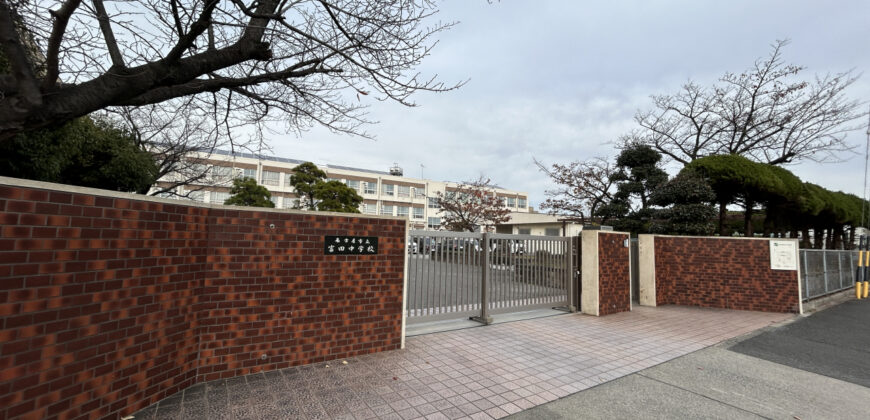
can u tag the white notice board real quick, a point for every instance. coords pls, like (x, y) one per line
(783, 255)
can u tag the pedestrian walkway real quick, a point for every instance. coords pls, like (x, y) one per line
(477, 373)
(813, 368)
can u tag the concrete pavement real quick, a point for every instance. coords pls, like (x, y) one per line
(478, 373)
(814, 367)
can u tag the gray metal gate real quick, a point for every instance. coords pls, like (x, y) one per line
(825, 271)
(459, 274)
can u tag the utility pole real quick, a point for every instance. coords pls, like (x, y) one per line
(864, 191)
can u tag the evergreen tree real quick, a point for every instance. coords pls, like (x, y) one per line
(246, 192)
(315, 193)
(83, 152)
(638, 174)
(304, 179)
(687, 200)
(335, 196)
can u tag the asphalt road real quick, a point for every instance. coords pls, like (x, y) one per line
(834, 342)
(814, 367)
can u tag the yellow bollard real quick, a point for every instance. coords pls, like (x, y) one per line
(858, 282)
(866, 289)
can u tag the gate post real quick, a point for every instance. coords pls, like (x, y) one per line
(570, 279)
(484, 317)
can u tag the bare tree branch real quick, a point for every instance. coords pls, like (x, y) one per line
(765, 113)
(472, 205)
(583, 187)
(210, 49)
(108, 35)
(61, 18)
(211, 85)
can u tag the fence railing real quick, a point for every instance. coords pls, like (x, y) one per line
(825, 271)
(453, 274)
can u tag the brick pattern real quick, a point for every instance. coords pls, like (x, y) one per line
(111, 304)
(289, 302)
(722, 273)
(475, 373)
(614, 277)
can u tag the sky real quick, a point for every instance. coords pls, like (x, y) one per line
(561, 80)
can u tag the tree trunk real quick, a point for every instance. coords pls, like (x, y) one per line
(851, 244)
(747, 219)
(769, 225)
(837, 237)
(805, 239)
(723, 211)
(819, 238)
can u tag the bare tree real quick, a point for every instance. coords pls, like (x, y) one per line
(583, 187)
(767, 114)
(471, 205)
(246, 61)
(181, 139)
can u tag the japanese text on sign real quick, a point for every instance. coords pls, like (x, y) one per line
(783, 255)
(350, 245)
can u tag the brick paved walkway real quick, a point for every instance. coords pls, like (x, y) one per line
(479, 373)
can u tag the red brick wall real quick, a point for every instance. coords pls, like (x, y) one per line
(614, 277)
(288, 301)
(722, 273)
(111, 304)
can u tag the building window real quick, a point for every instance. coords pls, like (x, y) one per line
(198, 195)
(551, 231)
(387, 189)
(270, 178)
(386, 210)
(521, 203)
(353, 184)
(173, 193)
(419, 192)
(370, 187)
(249, 173)
(433, 203)
(512, 201)
(290, 203)
(221, 173)
(418, 212)
(274, 201)
(404, 191)
(370, 208)
(218, 197)
(524, 231)
(402, 211)
(434, 222)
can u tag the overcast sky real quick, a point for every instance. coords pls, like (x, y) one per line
(560, 80)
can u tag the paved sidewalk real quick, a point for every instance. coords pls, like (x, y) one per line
(480, 373)
(813, 368)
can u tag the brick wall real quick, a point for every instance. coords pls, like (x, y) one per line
(614, 277)
(289, 302)
(722, 273)
(110, 303)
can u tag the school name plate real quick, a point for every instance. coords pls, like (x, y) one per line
(783, 255)
(350, 245)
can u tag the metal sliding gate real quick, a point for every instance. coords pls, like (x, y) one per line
(453, 275)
